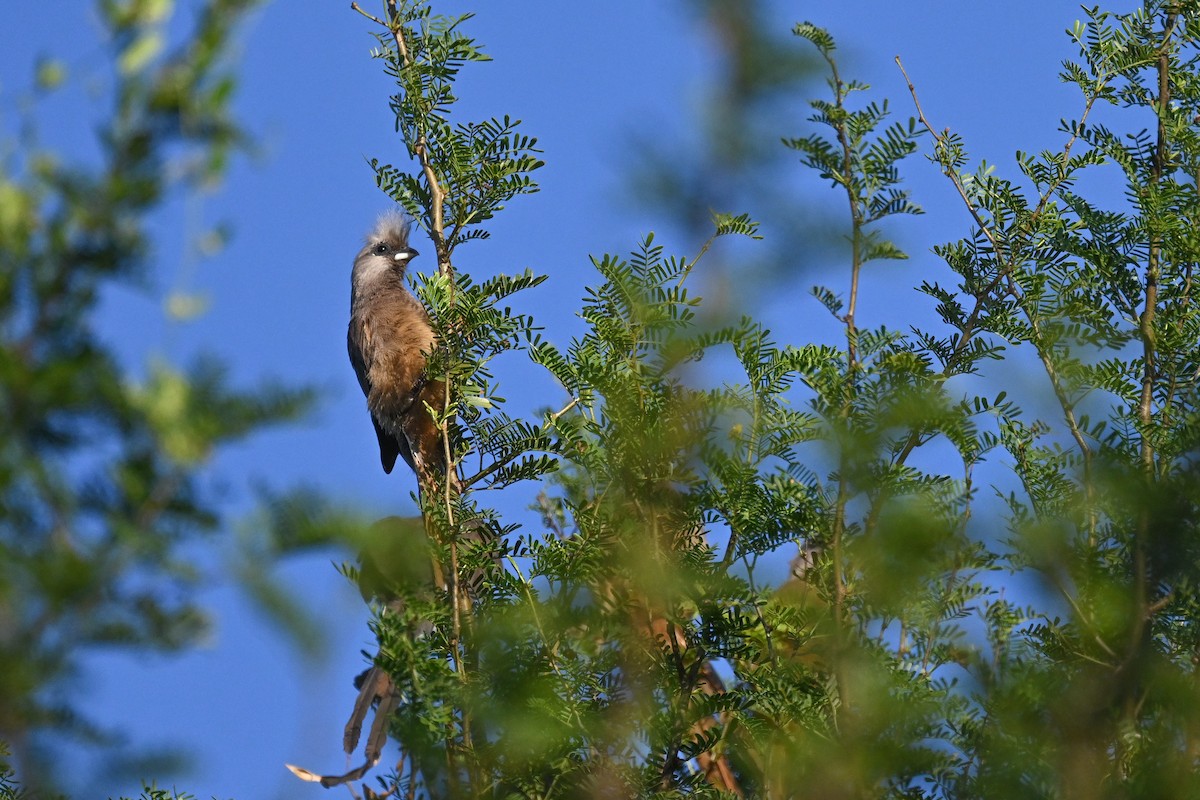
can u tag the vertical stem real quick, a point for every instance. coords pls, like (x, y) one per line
(449, 480)
(1146, 329)
(856, 218)
(1153, 268)
(850, 392)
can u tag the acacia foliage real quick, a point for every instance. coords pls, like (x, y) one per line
(894, 661)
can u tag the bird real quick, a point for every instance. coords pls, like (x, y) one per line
(389, 341)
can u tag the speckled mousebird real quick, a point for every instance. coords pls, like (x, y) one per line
(389, 340)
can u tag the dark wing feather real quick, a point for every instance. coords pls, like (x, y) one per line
(354, 348)
(389, 446)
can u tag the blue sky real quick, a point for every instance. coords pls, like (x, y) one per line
(585, 78)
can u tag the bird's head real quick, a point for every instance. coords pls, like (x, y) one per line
(386, 251)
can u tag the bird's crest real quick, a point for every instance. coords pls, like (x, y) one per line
(392, 227)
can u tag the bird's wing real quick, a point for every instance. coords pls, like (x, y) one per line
(354, 346)
(390, 446)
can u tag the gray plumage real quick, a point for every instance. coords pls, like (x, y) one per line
(388, 339)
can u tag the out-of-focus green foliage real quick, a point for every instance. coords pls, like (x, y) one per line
(102, 471)
(154, 793)
(628, 646)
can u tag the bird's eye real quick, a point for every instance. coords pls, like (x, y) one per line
(381, 249)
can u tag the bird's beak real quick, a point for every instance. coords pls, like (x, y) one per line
(406, 255)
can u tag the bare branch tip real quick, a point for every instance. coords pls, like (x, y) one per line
(356, 7)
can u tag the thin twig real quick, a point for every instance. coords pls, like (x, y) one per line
(371, 17)
(1158, 168)
(1007, 264)
(437, 194)
(939, 138)
(554, 417)
(498, 465)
